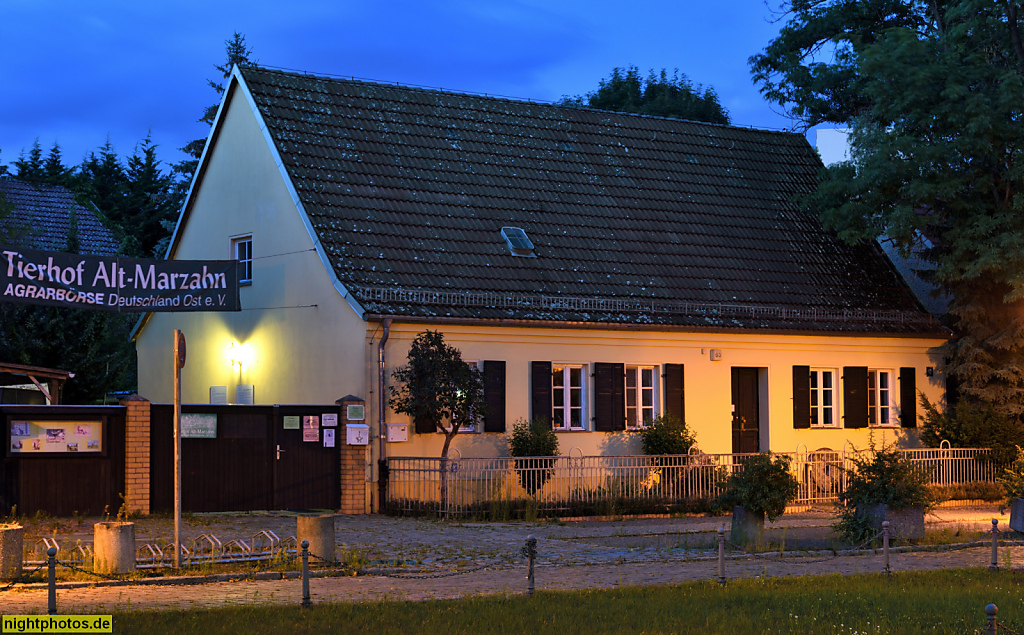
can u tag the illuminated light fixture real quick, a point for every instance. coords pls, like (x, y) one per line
(241, 354)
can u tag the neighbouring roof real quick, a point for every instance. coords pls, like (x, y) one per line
(633, 219)
(41, 214)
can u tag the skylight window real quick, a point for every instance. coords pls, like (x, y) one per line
(517, 242)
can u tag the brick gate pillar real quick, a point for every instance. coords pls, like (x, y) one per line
(136, 453)
(354, 462)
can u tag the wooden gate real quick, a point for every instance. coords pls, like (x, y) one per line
(254, 462)
(62, 459)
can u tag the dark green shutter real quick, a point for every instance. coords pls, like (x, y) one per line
(540, 390)
(801, 396)
(609, 397)
(675, 394)
(855, 396)
(423, 426)
(908, 397)
(494, 395)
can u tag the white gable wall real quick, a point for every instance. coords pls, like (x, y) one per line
(296, 324)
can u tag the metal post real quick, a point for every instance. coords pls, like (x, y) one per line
(721, 556)
(51, 580)
(305, 574)
(990, 619)
(995, 547)
(531, 553)
(885, 545)
(177, 448)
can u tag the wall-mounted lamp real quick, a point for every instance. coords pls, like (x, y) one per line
(241, 354)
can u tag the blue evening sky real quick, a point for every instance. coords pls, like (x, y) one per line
(79, 72)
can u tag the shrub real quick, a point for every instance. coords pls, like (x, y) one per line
(887, 478)
(765, 484)
(1012, 480)
(533, 439)
(666, 434)
(971, 425)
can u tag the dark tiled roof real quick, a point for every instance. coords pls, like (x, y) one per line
(40, 218)
(634, 219)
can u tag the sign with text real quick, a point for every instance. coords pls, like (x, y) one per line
(114, 283)
(198, 426)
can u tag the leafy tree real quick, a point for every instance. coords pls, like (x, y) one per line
(659, 95)
(972, 425)
(438, 388)
(934, 93)
(237, 53)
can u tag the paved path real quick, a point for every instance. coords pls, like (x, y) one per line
(587, 554)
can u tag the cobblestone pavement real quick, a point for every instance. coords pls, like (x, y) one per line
(572, 555)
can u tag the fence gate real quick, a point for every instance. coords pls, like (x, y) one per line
(253, 461)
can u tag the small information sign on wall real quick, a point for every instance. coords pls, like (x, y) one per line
(245, 394)
(328, 438)
(355, 413)
(55, 437)
(330, 420)
(357, 434)
(198, 426)
(218, 395)
(292, 422)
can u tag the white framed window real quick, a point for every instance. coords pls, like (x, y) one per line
(568, 397)
(476, 426)
(641, 395)
(880, 398)
(241, 250)
(824, 413)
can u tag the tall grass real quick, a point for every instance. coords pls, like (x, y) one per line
(931, 602)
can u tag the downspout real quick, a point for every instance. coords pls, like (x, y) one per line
(382, 427)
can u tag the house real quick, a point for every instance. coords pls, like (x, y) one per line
(40, 217)
(601, 268)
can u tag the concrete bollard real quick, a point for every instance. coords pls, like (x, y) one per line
(995, 545)
(318, 531)
(113, 547)
(12, 542)
(885, 545)
(721, 556)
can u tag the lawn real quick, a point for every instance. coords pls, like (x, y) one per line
(932, 602)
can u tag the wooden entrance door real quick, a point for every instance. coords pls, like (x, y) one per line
(307, 475)
(745, 415)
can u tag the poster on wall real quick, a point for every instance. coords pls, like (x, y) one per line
(311, 428)
(329, 420)
(55, 437)
(291, 422)
(328, 438)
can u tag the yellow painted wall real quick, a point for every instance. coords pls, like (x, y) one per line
(708, 384)
(306, 341)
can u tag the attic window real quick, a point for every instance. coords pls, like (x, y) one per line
(517, 242)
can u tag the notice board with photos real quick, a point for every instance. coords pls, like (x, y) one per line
(27, 436)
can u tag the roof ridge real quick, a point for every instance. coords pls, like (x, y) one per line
(504, 98)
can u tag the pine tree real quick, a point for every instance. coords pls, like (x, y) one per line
(31, 168)
(659, 95)
(237, 54)
(54, 170)
(149, 202)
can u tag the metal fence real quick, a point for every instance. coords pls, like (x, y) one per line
(582, 483)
